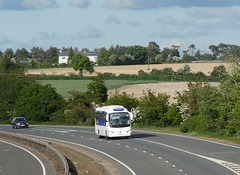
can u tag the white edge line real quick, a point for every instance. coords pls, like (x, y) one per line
(219, 162)
(43, 167)
(191, 137)
(101, 152)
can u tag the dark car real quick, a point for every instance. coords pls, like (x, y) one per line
(19, 122)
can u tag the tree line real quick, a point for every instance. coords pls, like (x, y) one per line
(125, 55)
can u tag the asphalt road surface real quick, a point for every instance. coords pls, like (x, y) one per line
(148, 152)
(17, 160)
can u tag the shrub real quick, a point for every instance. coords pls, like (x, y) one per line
(124, 99)
(97, 90)
(37, 103)
(219, 71)
(79, 108)
(153, 108)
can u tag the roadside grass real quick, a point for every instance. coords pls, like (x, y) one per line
(64, 86)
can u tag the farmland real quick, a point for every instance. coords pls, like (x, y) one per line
(131, 87)
(206, 68)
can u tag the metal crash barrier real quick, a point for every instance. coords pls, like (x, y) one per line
(60, 162)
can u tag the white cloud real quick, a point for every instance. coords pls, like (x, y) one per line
(3, 38)
(154, 4)
(27, 4)
(217, 12)
(169, 20)
(80, 3)
(38, 4)
(134, 23)
(113, 20)
(90, 32)
(186, 33)
(119, 4)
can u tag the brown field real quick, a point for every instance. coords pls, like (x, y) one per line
(169, 88)
(206, 68)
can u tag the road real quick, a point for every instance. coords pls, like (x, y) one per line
(17, 160)
(149, 152)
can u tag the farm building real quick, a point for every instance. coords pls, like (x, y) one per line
(63, 56)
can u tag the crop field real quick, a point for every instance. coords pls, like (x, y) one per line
(206, 68)
(130, 87)
(64, 86)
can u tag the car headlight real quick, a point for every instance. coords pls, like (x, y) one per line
(18, 123)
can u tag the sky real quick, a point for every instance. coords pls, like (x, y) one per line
(101, 23)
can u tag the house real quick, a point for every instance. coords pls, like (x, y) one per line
(63, 56)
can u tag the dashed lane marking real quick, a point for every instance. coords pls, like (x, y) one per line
(231, 166)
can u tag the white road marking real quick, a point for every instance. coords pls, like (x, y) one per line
(90, 148)
(42, 165)
(226, 164)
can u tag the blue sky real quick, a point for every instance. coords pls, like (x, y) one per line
(102, 23)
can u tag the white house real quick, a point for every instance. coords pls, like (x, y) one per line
(63, 57)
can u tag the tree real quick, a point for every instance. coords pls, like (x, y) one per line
(192, 47)
(97, 90)
(81, 63)
(153, 50)
(79, 108)
(6, 65)
(120, 50)
(165, 54)
(22, 55)
(10, 86)
(138, 53)
(208, 56)
(38, 54)
(70, 54)
(9, 53)
(215, 50)
(39, 103)
(104, 57)
(187, 59)
(198, 55)
(52, 55)
(219, 71)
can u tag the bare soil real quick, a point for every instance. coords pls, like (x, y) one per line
(170, 88)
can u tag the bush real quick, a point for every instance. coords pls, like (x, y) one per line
(79, 108)
(128, 101)
(37, 103)
(152, 108)
(97, 90)
(173, 116)
(219, 71)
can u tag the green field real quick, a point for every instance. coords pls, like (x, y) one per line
(64, 86)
